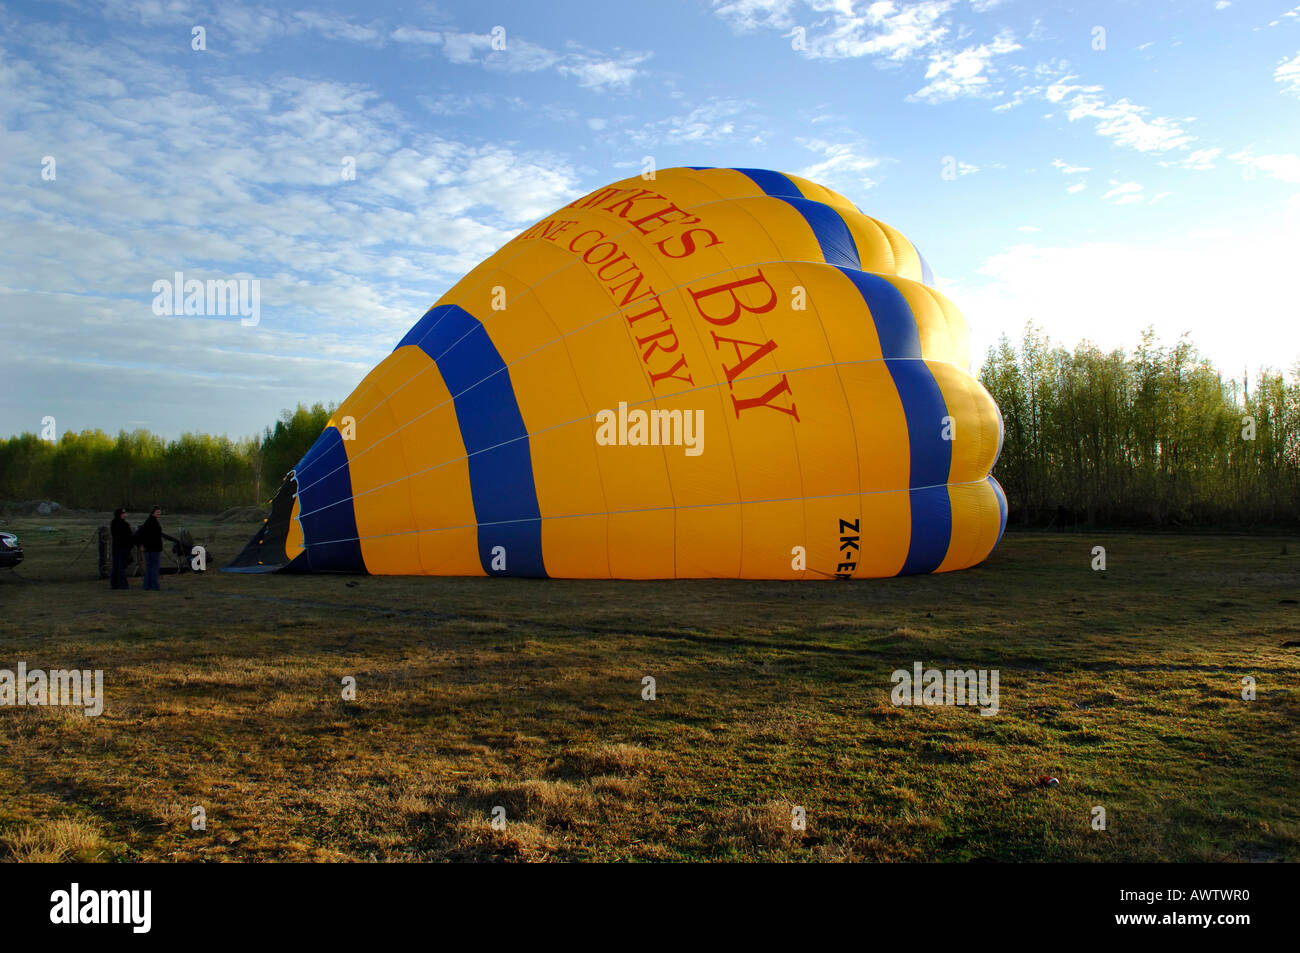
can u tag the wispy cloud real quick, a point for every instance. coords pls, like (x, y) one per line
(511, 54)
(1123, 122)
(841, 164)
(1126, 123)
(598, 72)
(713, 122)
(161, 170)
(1123, 193)
(749, 15)
(890, 33)
(247, 28)
(1070, 169)
(890, 30)
(1284, 167)
(1288, 74)
(964, 73)
(1066, 168)
(1291, 14)
(839, 29)
(1198, 160)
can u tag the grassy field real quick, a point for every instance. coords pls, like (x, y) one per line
(224, 692)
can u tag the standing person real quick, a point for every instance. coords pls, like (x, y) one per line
(122, 536)
(150, 536)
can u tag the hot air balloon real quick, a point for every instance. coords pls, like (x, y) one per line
(713, 373)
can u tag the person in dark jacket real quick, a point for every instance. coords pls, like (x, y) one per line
(121, 532)
(150, 537)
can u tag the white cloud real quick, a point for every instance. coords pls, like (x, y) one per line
(717, 121)
(592, 69)
(1069, 169)
(603, 73)
(840, 29)
(842, 166)
(1126, 123)
(241, 27)
(886, 29)
(1123, 193)
(1289, 15)
(1109, 292)
(460, 103)
(749, 15)
(965, 73)
(340, 28)
(161, 169)
(1284, 167)
(1288, 74)
(410, 34)
(519, 56)
(464, 47)
(1198, 160)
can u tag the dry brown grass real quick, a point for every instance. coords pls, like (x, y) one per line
(52, 841)
(224, 692)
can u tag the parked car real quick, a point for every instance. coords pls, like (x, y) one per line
(11, 554)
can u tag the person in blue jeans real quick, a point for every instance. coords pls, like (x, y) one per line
(150, 536)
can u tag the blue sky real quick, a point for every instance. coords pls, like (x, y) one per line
(1111, 166)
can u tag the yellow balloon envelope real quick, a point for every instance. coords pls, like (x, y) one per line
(714, 373)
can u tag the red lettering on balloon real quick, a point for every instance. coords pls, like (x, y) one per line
(760, 351)
(766, 400)
(737, 305)
(688, 243)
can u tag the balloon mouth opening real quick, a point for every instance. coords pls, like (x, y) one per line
(267, 550)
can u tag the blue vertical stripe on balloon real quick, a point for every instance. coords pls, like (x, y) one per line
(895, 325)
(329, 523)
(832, 233)
(773, 183)
(924, 409)
(1002, 506)
(931, 460)
(500, 463)
(931, 530)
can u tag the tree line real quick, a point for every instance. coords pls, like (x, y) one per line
(195, 473)
(1156, 437)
